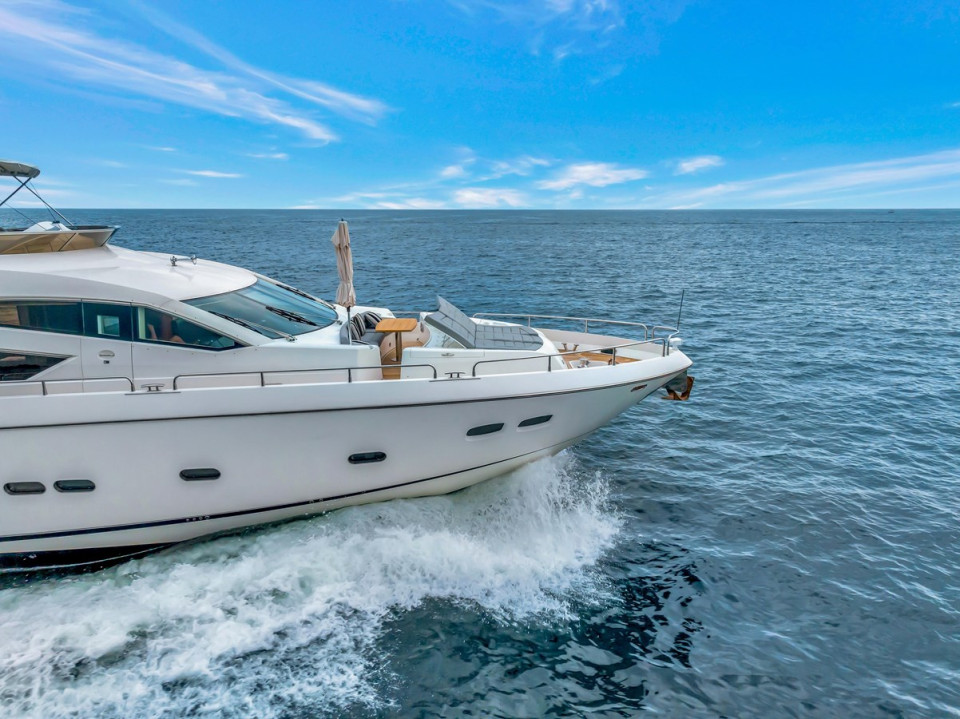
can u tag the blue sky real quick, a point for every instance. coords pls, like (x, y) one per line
(484, 104)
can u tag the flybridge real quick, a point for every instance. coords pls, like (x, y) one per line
(55, 235)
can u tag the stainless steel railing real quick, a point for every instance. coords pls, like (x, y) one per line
(267, 373)
(664, 343)
(44, 390)
(649, 333)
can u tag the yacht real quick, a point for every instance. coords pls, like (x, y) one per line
(150, 399)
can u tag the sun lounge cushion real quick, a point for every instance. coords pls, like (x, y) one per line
(451, 321)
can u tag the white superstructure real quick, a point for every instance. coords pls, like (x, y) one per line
(147, 399)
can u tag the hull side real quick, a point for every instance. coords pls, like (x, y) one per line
(275, 466)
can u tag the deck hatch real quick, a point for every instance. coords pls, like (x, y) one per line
(534, 421)
(199, 474)
(366, 457)
(24, 488)
(74, 485)
(484, 429)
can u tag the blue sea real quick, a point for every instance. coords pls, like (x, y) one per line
(785, 544)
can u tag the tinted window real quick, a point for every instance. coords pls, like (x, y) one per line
(156, 326)
(269, 309)
(107, 321)
(49, 316)
(18, 366)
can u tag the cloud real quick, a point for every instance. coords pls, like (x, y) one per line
(161, 149)
(212, 173)
(269, 155)
(595, 174)
(522, 166)
(695, 164)
(561, 28)
(452, 171)
(414, 203)
(339, 101)
(823, 184)
(488, 197)
(51, 37)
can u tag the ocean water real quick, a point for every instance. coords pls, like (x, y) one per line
(785, 544)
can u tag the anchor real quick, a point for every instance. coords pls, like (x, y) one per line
(679, 387)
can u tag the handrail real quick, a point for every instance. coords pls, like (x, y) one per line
(43, 382)
(663, 341)
(265, 373)
(647, 332)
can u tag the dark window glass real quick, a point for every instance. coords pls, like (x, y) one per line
(74, 485)
(366, 457)
(269, 309)
(164, 328)
(107, 321)
(533, 421)
(24, 488)
(485, 429)
(202, 473)
(49, 316)
(18, 366)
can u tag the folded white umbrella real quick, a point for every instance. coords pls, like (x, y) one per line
(341, 242)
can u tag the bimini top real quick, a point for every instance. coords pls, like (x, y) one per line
(58, 235)
(8, 168)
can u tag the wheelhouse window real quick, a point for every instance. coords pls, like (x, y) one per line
(163, 328)
(16, 366)
(107, 321)
(272, 310)
(49, 316)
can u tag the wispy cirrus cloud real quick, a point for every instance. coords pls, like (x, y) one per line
(269, 155)
(521, 166)
(344, 103)
(821, 185)
(563, 28)
(594, 174)
(489, 197)
(453, 171)
(55, 39)
(213, 173)
(696, 164)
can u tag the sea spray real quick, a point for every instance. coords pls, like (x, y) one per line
(288, 617)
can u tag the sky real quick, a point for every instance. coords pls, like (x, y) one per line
(488, 104)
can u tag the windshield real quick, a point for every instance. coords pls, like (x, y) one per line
(272, 310)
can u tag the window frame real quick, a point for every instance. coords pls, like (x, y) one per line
(136, 313)
(33, 353)
(87, 315)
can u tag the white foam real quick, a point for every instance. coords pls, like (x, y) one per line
(256, 625)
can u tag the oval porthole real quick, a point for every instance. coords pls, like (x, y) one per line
(74, 485)
(199, 474)
(534, 421)
(484, 429)
(366, 457)
(24, 488)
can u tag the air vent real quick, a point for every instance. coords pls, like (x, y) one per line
(196, 475)
(24, 488)
(484, 429)
(74, 485)
(366, 457)
(534, 421)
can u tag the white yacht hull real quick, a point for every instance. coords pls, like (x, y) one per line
(281, 451)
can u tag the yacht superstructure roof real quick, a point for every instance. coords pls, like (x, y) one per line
(117, 274)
